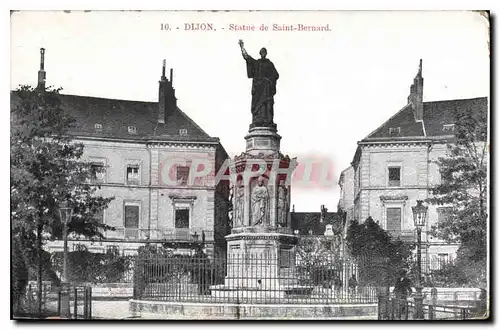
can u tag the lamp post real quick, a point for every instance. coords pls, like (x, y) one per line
(419, 215)
(329, 235)
(66, 213)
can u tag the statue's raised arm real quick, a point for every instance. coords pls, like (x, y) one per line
(264, 76)
(243, 50)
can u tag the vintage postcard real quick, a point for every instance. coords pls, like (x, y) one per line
(250, 165)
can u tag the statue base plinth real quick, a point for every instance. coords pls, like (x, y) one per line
(270, 126)
(262, 140)
(260, 261)
(261, 229)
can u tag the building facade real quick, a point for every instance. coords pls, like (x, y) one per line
(141, 154)
(395, 166)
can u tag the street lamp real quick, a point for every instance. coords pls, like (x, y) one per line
(66, 213)
(419, 215)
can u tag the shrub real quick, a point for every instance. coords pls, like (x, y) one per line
(88, 267)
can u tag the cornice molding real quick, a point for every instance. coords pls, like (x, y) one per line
(151, 143)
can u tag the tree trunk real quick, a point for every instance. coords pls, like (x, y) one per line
(40, 264)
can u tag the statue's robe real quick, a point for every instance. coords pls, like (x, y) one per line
(264, 76)
(239, 206)
(282, 206)
(260, 200)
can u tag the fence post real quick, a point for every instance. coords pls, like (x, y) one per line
(434, 294)
(44, 291)
(483, 302)
(59, 302)
(431, 312)
(75, 306)
(383, 305)
(393, 307)
(90, 302)
(455, 302)
(85, 302)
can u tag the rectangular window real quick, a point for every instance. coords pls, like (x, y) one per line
(285, 258)
(182, 175)
(133, 174)
(131, 216)
(394, 176)
(394, 220)
(97, 173)
(182, 218)
(442, 260)
(113, 249)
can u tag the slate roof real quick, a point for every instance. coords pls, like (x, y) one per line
(116, 116)
(436, 114)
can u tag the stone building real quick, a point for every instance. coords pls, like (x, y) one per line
(141, 153)
(395, 165)
(346, 201)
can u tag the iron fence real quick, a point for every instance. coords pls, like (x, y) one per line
(405, 309)
(170, 235)
(79, 302)
(30, 303)
(243, 278)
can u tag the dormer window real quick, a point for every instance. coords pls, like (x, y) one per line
(448, 127)
(98, 127)
(132, 130)
(183, 132)
(394, 131)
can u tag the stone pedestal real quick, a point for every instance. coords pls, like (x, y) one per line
(262, 140)
(264, 260)
(261, 246)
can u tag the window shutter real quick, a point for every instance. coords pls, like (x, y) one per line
(394, 219)
(182, 218)
(131, 216)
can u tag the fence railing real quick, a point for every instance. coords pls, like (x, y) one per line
(78, 300)
(405, 309)
(174, 235)
(250, 279)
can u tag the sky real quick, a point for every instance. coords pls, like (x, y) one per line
(335, 86)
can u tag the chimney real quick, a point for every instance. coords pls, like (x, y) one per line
(41, 72)
(166, 96)
(324, 210)
(416, 97)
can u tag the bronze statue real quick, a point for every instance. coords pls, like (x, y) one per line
(264, 76)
